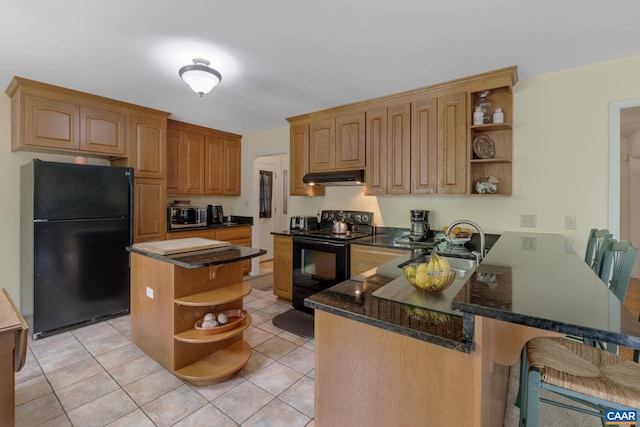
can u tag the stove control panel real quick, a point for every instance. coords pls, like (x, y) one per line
(353, 217)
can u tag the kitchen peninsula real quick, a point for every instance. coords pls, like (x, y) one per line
(171, 292)
(444, 359)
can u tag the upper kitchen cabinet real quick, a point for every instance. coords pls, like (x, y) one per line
(51, 118)
(202, 161)
(421, 141)
(337, 143)
(148, 145)
(299, 161)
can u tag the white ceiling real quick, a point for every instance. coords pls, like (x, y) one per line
(281, 58)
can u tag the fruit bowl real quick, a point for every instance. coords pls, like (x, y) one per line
(428, 284)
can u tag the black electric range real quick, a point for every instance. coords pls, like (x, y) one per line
(322, 258)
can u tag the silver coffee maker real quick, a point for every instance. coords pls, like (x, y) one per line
(419, 225)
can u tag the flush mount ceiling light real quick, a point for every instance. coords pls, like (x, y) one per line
(199, 76)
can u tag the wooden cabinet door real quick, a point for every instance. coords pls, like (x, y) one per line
(424, 146)
(376, 149)
(240, 236)
(350, 141)
(322, 148)
(283, 267)
(174, 163)
(213, 151)
(149, 210)
(149, 139)
(399, 149)
(49, 123)
(193, 160)
(231, 165)
(452, 147)
(298, 158)
(103, 130)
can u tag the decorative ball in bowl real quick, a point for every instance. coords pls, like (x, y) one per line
(432, 277)
(217, 323)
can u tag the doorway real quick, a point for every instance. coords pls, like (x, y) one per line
(270, 205)
(624, 172)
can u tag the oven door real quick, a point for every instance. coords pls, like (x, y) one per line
(317, 265)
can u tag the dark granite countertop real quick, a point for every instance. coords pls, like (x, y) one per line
(530, 279)
(204, 258)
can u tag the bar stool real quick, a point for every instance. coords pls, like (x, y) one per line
(595, 248)
(592, 377)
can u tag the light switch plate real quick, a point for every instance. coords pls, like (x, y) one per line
(528, 221)
(149, 292)
(570, 222)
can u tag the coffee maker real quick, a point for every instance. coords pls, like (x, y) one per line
(419, 225)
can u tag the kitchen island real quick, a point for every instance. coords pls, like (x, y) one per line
(445, 360)
(170, 293)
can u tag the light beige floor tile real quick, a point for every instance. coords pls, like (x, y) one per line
(134, 370)
(301, 396)
(296, 339)
(52, 345)
(312, 423)
(275, 347)
(256, 362)
(122, 323)
(31, 389)
(209, 416)
(277, 413)
(103, 410)
(300, 359)
(243, 401)
(276, 308)
(312, 374)
(136, 418)
(275, 378)
(107, 344)
(214, 391)
(31, 369)
(86, 390)
(152, 386)
(120, 356)
(174, 406)
(59, 421)
(309, 345)
(68, 375)
(255, 336)
(64, 358)
(270, 327)
(256, 304)
(94, 332)
(258, 317)
(38, 411)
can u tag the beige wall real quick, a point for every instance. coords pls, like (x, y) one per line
(560, 154)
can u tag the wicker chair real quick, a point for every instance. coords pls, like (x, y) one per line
(595, 378)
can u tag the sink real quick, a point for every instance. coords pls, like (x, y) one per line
(461, 266)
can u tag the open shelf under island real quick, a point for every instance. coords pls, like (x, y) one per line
(170, 293)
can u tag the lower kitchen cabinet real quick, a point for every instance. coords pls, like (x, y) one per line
(166, 302)
(364, 258)
(149, 210)
(283, 267)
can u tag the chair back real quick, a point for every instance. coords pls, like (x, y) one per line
(618, 262)
(595, 248)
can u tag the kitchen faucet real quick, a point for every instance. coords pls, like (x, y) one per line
(481, 255)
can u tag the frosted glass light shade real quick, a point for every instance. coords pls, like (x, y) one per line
(200, 77)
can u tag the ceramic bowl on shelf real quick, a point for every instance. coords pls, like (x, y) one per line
(235, 318)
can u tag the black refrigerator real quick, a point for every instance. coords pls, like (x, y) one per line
(76, 225)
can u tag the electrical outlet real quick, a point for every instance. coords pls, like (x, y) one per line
(149, 292)
(570, 222)
(528, 221)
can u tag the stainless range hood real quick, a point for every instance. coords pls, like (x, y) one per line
(352, 177)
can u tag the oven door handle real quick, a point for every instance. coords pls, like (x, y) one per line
(318, 242)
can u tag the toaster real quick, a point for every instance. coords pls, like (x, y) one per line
(304, 223)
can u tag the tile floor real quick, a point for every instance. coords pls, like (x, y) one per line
(95, 376)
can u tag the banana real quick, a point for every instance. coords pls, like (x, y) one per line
(430, 267)
(436, 278)
(444, 263)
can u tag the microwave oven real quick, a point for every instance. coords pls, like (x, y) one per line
(186, 217)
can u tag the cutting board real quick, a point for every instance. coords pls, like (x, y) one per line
(176, 246)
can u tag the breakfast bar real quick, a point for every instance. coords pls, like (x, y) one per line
(393, 358)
